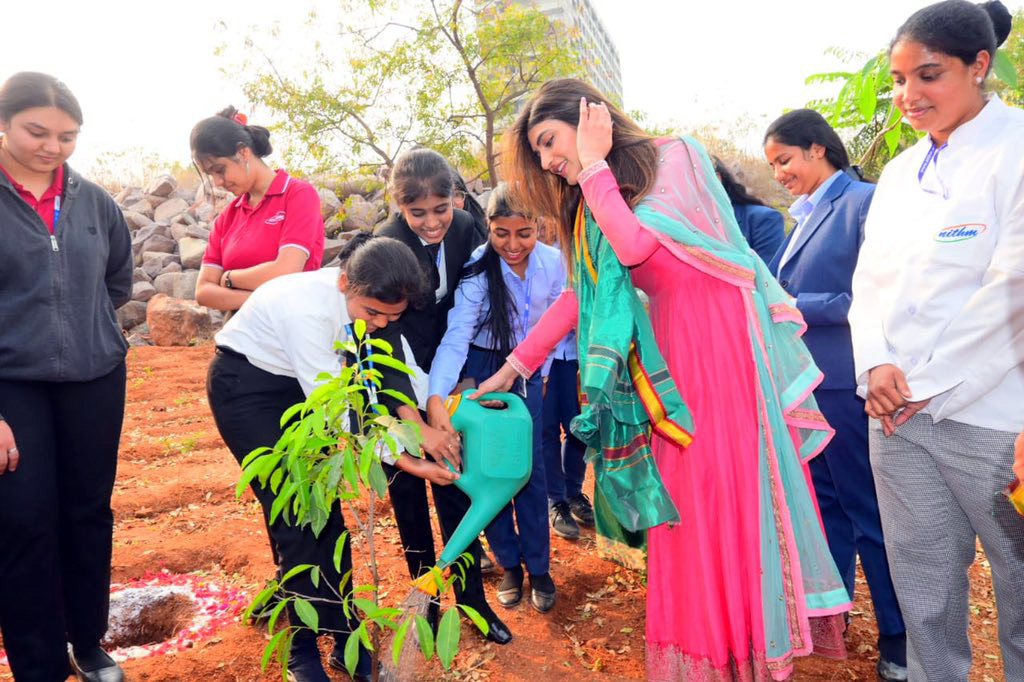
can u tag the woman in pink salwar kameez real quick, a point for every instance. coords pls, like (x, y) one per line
(740, 580)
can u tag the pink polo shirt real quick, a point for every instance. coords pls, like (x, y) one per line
(288, 215)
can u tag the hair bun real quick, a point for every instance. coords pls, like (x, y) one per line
(1002, 20)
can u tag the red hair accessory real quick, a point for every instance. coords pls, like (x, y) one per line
(240, 119)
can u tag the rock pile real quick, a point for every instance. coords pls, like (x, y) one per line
(170, 229)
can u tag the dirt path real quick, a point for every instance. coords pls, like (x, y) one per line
(175, 508)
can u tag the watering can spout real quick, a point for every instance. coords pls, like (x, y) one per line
(497, 459)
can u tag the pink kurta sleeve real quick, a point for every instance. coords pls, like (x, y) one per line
(551, 328)
(629, 240)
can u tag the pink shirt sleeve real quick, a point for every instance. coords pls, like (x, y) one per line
(551, 328)
(629, 240)
(212, 255)
(304, 226)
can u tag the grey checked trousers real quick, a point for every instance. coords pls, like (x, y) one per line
(938, 489)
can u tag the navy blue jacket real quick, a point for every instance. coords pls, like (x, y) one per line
(820, 272)
(762, 226)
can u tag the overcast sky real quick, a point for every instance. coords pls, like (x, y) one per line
(145, 71)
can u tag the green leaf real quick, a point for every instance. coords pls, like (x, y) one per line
(360, 328)
(295, 571)
(271, 647)
(388, 361)
(426, 637)
(399, 640)
(287, 415)
(867, 97)
(1004, 68)
(352, 645)
(398, 395)
(892, 139)
(253, 455)
(477, 619)
(276, 613)
(275, 480)
(307, 614)
(339, 547)
(378, 479)
(448, 632)
(314, 576)
(382, 344)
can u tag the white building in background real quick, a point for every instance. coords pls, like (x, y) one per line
(591, 41)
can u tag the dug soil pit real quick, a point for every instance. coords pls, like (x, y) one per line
(147, 615)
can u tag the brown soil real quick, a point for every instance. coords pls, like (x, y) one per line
(175, 508)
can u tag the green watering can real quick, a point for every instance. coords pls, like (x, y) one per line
(497, 458)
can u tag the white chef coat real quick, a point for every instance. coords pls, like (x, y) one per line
(939, 285)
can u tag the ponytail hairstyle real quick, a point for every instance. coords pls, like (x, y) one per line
(31, 89)
(805, 127)
(633, 157)
(738, 193)
(420, 173)
(382, 268)
(226, 134)
(502, 312)
(959, 29)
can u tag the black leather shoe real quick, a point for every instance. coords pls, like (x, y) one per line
(497, 631)
(510, 591)
(336, 659)
(542, 592)
(94, 665)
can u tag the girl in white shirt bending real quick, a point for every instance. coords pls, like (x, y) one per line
(938, 335)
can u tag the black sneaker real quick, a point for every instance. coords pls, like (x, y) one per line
(581, 509)
(562, 522)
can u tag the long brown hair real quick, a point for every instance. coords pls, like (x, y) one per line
(633, 157)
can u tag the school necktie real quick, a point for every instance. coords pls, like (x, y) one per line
(435, 277)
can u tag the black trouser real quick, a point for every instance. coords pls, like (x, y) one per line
(247, 404)
(412, 516)
(56, 525)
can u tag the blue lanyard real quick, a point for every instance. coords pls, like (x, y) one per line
(931, 157)
(526, 308)
(56, 212)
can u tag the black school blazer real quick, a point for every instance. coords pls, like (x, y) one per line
(424, 327)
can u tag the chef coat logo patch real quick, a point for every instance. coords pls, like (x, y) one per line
(276, 218)
(959, 233)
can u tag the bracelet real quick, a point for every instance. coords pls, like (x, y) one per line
(227, 279)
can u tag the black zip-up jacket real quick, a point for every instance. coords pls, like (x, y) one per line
(58, 296)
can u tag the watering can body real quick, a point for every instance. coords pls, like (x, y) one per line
(497, 459)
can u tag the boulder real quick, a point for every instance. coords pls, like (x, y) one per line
(155, 201)
(141, 206)
(360, 214)
(199, 231)
(177, 284)
(178, 230)
(329, 203)
(159, 243)
(331, 249)
(333, 225)
(188, 195)
(136, 338)
(170, 267)
(206, 212)
(128, 196)
(162, 186)
(131, 314)
(191, 251)
(169, 209)
(142, 291)
(177, 322)
(136, 220)
(139, 275)
(154, 262)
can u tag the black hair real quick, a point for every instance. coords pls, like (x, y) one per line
(420, 173)
(471, 205)
(226, 133)
(30, 89)
(738, 193)
(501, 326)
(805, 127)
(382, 268)
(958, 28)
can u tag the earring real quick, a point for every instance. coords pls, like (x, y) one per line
(246, 165)
(978, 80)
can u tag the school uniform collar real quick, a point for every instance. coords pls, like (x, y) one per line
(277, 187)
(978, 127)
(806, 203)
(532, 265)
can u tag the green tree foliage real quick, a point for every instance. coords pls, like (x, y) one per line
(442, 73)
(864, 108)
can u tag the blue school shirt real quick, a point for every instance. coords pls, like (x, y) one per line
(545, 279)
